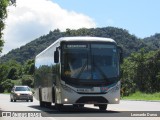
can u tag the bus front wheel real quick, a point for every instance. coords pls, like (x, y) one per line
(78, 105)
(103, 106)
(58, 106)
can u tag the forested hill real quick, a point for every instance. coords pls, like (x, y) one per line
(130, 43)
(153, 41)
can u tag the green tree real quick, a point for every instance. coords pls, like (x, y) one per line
(128, 77)
(9, 70)
(140, 68)
(141, 71)
(14, 70)
(7, 85)
(153, 66)
(27, 80)
(3, 72)
(3, 75)
(29, 67)
(3, 16)
(12, 74)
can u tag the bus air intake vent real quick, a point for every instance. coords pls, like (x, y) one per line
(92, 100)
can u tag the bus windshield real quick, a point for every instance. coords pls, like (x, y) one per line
(92, 62)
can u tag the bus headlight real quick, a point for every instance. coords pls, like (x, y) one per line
(116, 99)
(66, 100)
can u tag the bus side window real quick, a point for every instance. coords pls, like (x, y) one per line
(56, 56)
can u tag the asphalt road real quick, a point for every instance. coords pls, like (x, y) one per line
(27, 110)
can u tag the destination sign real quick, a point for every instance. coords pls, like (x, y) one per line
(76, 46)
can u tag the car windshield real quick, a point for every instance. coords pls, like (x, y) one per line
(90, 62)
(22, 89)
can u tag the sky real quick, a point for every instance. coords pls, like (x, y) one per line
(31, 19)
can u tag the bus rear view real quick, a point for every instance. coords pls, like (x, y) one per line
(86, 71)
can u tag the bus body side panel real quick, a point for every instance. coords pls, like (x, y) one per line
(46, 74)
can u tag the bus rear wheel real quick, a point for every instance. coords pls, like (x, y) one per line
(103, 106)
(45, 104)
(48, 104)
(42, 104)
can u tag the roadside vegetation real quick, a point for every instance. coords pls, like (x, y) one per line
(13, 73)
(143, 96)
(141, 72)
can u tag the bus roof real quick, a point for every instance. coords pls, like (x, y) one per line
(102, 39)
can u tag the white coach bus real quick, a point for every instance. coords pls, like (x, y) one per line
(78, 71)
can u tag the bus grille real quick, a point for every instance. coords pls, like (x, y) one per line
(92, 100)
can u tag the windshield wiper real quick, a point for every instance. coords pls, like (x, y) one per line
(82, 69)
(101, 71)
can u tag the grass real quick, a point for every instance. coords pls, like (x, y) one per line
(142, 96)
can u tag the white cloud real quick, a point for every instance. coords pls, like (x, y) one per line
(32, 18)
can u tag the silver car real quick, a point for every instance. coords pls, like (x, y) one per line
(21, 93)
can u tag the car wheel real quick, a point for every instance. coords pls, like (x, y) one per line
(11, 100)
(27, 100)
(31, 100)
(14, 100)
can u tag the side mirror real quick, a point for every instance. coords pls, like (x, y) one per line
(120, 51)
(56, 56)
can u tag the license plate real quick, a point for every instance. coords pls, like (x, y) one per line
(84, 90)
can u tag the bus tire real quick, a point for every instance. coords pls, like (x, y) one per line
(59, 107)
(78, 105)
(103, 106)
(53, 95)
(42, 104)
(48, 104)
